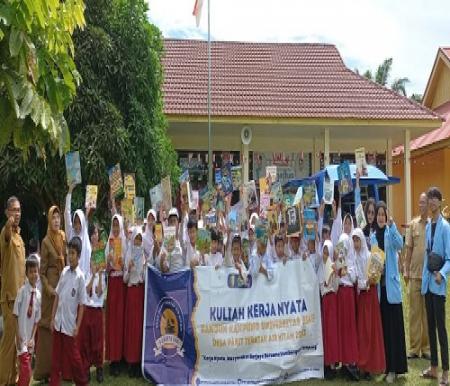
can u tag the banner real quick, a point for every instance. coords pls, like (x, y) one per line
(208, 326)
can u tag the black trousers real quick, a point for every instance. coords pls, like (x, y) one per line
(435, 305)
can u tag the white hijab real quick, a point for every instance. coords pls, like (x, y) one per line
(321, 269)
(147, 237)
(85, 258)
(343, 223)
(361, 258)
(122, 236)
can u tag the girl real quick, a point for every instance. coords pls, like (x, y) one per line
(148, 234)
(328, 289)
(134, 309)
(370, 332)
(389, 240)
(369, 211)
(115, 252)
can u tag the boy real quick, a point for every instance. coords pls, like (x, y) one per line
(280, 254)
(67, 315)
(260, 262)
(27, 312)
(234, 256)
(189, 247)
(215, 258)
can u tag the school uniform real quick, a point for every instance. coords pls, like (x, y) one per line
(214, 259)
(134, 305)
(27, 308)
(71, 291)
(174, 261)
(370, 331)
(328, 291)
(91, 331)
(256, 260)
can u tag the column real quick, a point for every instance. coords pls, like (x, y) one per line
(245, 173)
(390, 198)
(326, 147)
(408, 188)
(315, 160)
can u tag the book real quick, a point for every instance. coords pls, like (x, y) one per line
(115, 180)
(184, 177)
(310, 194)
(251, 196)
(170, 238)
(203, 242)
(129, 185)
(233, 220)
(264, 187)
(328, 270)
(211, 219)
(193, 203)
(156, 197)
(264, 205)
(218, 176)
(375, 264)
(276, 193)
(158, 232)
(91, 196)
(272, 219)
(345, 178)
(73, 168)
(206, 196)
(271, 171)
(115, 246)
(360, 161)
(309, 224)
(227, 183)
(341, 255)
(139, 204)
(166, 188)
(261, 231)
(219, 202)
(293, 221)
(328, 191)
(128, 211)
(137, 254)
(360, 216)
(236, 177)
(288, 199)
(298, 196)
(98, 254)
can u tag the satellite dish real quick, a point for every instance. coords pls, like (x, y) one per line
(246, 135)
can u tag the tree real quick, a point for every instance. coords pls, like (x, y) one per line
(38, 77)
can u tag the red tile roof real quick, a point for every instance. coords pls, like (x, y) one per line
(446, 51)
(275, 80)
(433, 136)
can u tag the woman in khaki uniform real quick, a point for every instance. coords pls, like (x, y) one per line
(53, 260)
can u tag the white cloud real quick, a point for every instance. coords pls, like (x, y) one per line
(365, 32)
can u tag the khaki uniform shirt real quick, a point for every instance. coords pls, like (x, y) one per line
(415, 239)
(12, 265)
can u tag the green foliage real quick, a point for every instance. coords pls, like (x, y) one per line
(38, 77)
(399, 85)
(383, 72)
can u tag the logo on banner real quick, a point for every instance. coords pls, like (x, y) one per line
(169, 328)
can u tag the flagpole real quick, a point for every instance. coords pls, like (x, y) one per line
(210, 158)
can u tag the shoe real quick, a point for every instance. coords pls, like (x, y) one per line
(353, 372)
(426, 356)
(413, 356)
(329, 373)
(390, 378)
(99, 374)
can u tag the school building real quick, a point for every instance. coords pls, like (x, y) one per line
(303, 106)
(430, 153)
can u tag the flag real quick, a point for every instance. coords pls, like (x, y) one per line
(197, 12)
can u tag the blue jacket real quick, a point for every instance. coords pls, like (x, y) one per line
(393, 243)
(441, 246)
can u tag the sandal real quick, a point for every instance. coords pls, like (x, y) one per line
(427, 374)
(443, 382)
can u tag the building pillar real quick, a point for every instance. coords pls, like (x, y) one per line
(245, 163)
(315, 159)
(326, 147)
(408, 187)
(389, 198)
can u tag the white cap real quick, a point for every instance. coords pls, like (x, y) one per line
(173, 212)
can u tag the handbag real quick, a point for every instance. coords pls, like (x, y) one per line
(435, 262)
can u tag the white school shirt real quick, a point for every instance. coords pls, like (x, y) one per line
(25, 323)
(96, 301)
(136, 274)
(350, 278)
(214, 259)
(191, 254)
(71, 290)
(332, 286)
(362, 259)
(256, 260)
(314, 258)
(175, 261)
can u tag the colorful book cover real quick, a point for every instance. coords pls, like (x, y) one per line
(139, 204)
(264, 187)
(227, 183)
(128, 211)
(276, 193)
(211, 219)
(309, 227)
(251, 196)
(375, 264)
(264, 205)
(115, 245)
(206, 197)
(271, 171)
(170, 234)
(194, 201)
(233, 220)
(203, 240)
(220, 203)
(218, 176)
(298, 196)
(288, 199)
(345, 178)
(115, 180)
(272, 219)
(361, 162)
(73, 168)
(129, 185)
(91, 196)
(236, 177)
(328, 270)
(156, 197)
(261, 231)
(98, 254)
(310, 194)
(166, 188)
(341, 255)
(293, 221)
(328, 191)
(158, 232)
(360, 216)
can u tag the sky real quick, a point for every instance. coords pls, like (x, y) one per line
(365, 31)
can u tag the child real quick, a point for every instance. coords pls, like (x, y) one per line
(280, 255)
(234, 256)
(134, 306)
(67, 315)
(328, 289)
(190, 248)
(148, 233)
(370, 332)
(314, 257)
(169, 258)
(294, 247)
(91, 334)
(260, 262)
(347, 226)
(214, 258)
(27, 311)
(115, 252)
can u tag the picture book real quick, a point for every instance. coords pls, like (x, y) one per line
(345, 178)
(360, 216)
(276, 194)
(139, 203)
(288, 199)
(115, 180)
(158, 232)
(360, 161)
(328, 191)
(218, 176)
(309, 224)
(264, 205)
(98, 254)
(298, 196)
(128, 211)
(193, 203)
(156, 197)
(91, 196)
(271, 171)
(129, 185)
(293, 221)
(211, 220)
(203, 240)
(251, 197)
(73, 168)
(310, 194)
(375, 264)
(115, 245)
(170, 238)
(236, 177)
(227, 183)
(233, 220)
(261, 231)
(341, 255)
(272, 218)
(264, 187)
(166, 188)
(328, 270)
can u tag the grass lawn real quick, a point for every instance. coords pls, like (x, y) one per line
(412, 378)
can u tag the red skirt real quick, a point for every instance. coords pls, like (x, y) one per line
(91, 337)
(134, 318)
(370, 333)
(115, 302)
(347, 331)
(329, 329)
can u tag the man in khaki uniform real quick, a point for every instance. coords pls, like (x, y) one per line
(415, 252)
(12, 270)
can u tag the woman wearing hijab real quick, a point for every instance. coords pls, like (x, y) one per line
(369, 211)
(115, 253)
(389, 240)
(370, 332)
(53, 260)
